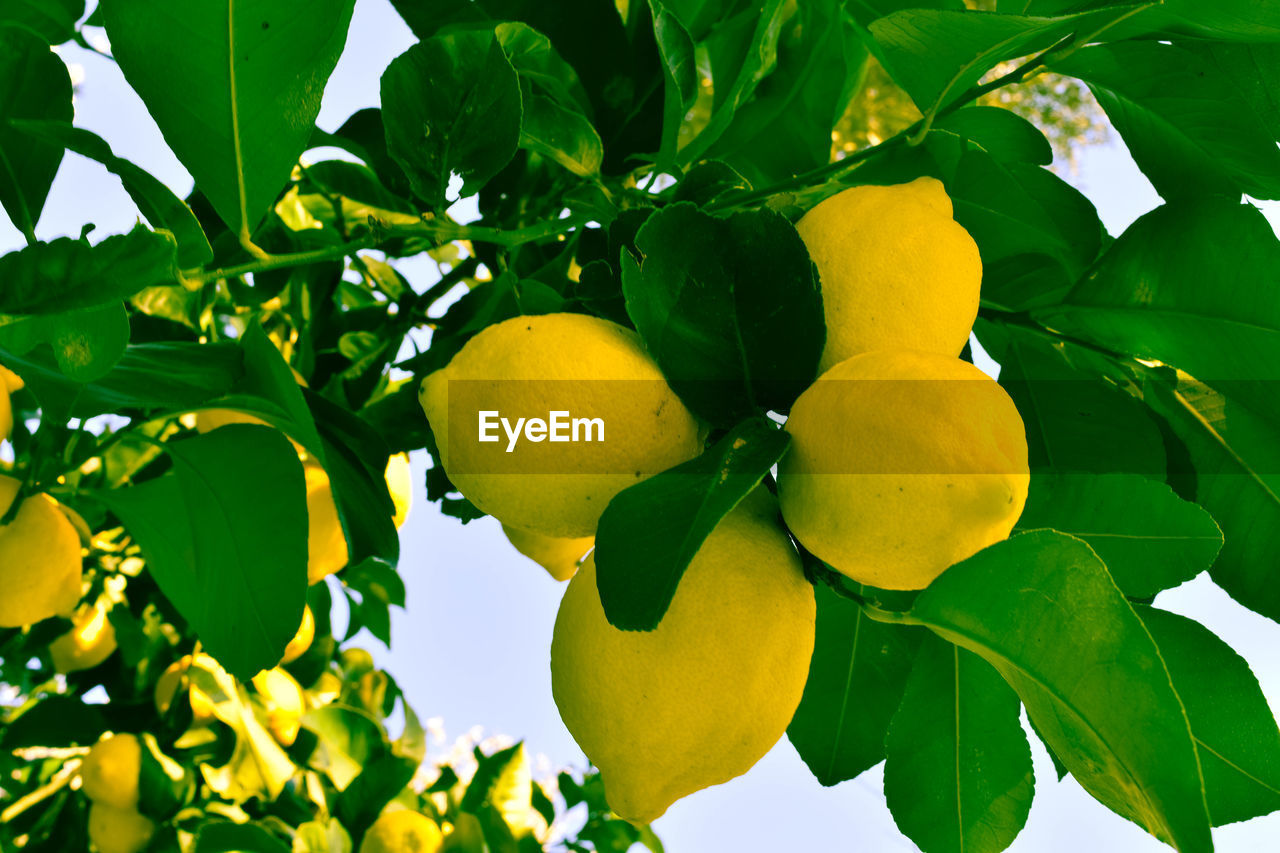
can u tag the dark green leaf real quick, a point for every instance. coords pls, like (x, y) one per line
(535, 59)
(1005, 135)
(680, 76)
(856, 678)
(563, 134)
(236, 96)
(56, 721)
(1043, 611)
(228, 837)
(709, 180)
(730, 308)
(650, 532)
(957, 773)
(451, 105)
(375, 578)
(379, 783)
(86, 343)
(866, 11)
(52, 20)
(1148, 537)
(225, 537)
(34, 84)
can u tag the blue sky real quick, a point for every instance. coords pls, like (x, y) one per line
(472, 647)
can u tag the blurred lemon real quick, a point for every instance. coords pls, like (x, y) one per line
(326, 543)
(402, 831)
(109, 774)
(90, 641)
(114, 830)
(302, 640)
(9, 383)
(400, 484)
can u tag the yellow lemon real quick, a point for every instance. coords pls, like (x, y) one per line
(109, 774)
(9, 383)
(702, 698)
(560, 557)
(402, 831)
(39, 559)
(326, 544)
(902, 464)
(202, 707)
(283, 699)
(90, 641)
(587, 413)
(400, 484)
(302, 640)
(114, 830)
(897, 271)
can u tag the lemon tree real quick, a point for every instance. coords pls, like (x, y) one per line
(735, 384)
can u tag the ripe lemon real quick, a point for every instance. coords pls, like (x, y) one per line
(902, 464)
(302, 640)
(114, 830)
(326, 544)
(399, 478)
(283, 699)
(90, 641)
(702, 698)
(529, 367)
(560, 557)
(897, 271)
(39, 559)
(402, 831)
(202, 707)
(109, 774)
(9, 383)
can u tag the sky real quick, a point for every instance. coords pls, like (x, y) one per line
(472, 647)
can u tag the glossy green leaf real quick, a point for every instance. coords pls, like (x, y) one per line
(856, 678)
(236, 96)
(957, 773)
(536, 60)
(650, 532)
(225, 536)
(1043, 611)
(34, 84)
(86, 343)
(1149, 538)
(1254, 73)
(1191, 132)
(866, 11)
(1234, 728)
(451, 104)
(680, 76)
(1005, 135)
(565, 135)
(52, 20)
(730, 308)
(349, 739)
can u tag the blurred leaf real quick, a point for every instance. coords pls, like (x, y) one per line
(1185, 124)
(957, 774)
(52, 20)
(34, 84)
(1043, 611)
(856, 679)
(156, 202)
(451, 105)
(360, 803)
(322, 837)
(56, 721)
(349, 740)
(234, 567)
(1235, 730)
(86, 343)
(237, 96)
(1148, 537)
(730, 308)
(227, 837)
(502, 782)
(651, 531)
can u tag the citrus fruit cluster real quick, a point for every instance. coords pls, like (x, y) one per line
(904, 459)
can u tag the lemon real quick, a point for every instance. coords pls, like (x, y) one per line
(109, 774)
(902, 464)
(897, 271)
(202, 707)
(302, 640)
(90, 641)
(326, 544)
(399, 478)
(531, 367)
(39, 559)
(702, 698)
(560, 557)
(402, 831)
(282, 697)
(9, 383)
(114, 830)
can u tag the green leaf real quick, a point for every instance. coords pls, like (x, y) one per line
(451, 104)
(708, 181)
(34, 84)
(1148, 537)
(52, 20)
(1043, 611)
(866, 11)
(1188, 284)
(225, 536)
(502, 783)
(1005, 135)
(680, 76)
(227, 837)
(957, 773)
(650, 532)
(56, 721)
(349, 740)
(156, 202)
(236, 96)
(381, 781)
(1234, 729)
(68, 274)
(1189, 129)
(1254, 72)
(535, 59)
(730, 308)
(856, 678)
(565, 135)
(86, 343)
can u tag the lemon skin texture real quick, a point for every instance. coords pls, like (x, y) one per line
(302, 639)
(90, 641)
(326, 544)
(114, 830)
(702, 698)
(897, 271)
(891, 480)
(530, 366)
(109, 774)
(560, 557)
(39, 559)
(402, 831)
